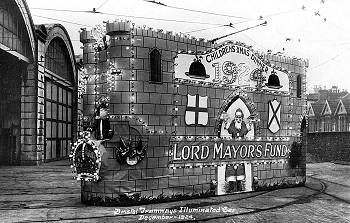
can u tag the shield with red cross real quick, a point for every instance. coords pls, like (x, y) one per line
(274, 120)
(196, 110)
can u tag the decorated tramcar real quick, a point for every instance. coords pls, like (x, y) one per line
(190, 118)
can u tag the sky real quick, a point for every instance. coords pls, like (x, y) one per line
(317, 30)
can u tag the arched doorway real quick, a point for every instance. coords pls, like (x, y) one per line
(59, 100)
(17, 52)
(11, 71)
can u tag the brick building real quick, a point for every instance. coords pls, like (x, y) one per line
(172, 94)
(38, 105)
(328, 111)
(329, 124)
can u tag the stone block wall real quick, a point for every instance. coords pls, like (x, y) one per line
(146, 106)
(29, 117)
(329, 146)
(33, 108)
(292, 113)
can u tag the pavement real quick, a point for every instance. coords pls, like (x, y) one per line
(48, 193)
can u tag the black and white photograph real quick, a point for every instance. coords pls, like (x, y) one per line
(174, 111)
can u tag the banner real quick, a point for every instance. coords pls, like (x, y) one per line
(226, 151)
(232, 65)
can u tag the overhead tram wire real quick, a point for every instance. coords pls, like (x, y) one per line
(160, 19)
(218, 14)
(94, 11)
(198, 11)
(129, 16)
(329, 60)
(224, 15)
(227, 25)
(102, 5)
(256, 43)
(61, 10)
(198, 30)
(279, 13)
(61, 20)
(165, 20)
(242, 30)
(247, 36)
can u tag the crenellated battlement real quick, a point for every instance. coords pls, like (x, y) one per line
(127, 33)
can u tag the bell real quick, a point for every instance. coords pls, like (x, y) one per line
(197, 70)
(273, 81)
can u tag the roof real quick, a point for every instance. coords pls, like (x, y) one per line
(335, 96)
(319, 100)
(347, 96)
(312, 97)
(328, 95)
(333, 105)
(318, 107)
(346, 103)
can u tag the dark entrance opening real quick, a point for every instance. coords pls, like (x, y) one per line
(11, 72)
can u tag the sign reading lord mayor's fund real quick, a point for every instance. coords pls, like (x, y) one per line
(226, 151)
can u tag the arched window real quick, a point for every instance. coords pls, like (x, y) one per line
(299, 86)
(57, 59)
(14, 30)
(59, 101)
(156, 66)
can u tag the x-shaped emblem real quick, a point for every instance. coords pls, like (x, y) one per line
(274, 113)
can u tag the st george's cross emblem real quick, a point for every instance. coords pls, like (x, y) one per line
(274, 120)
(196, 110)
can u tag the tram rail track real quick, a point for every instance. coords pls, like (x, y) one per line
(298, 200)
(324, 187)
(325, 192)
